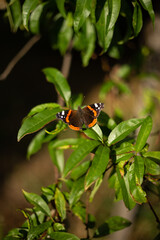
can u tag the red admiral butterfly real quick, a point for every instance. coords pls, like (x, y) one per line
(76, 118)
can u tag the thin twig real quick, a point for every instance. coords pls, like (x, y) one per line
(18, 56)
(155, 214)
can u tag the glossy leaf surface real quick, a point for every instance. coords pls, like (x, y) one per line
(83, 150)
(99, 164)
(37, 201)
(54, 76)
(60, 204)
(123, 129)
(36, 122)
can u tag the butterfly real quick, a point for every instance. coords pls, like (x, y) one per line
(76, 118)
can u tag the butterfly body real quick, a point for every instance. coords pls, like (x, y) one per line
(76, 118)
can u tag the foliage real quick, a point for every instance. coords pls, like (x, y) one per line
(120, 148)
(107, 23)
(113, 147)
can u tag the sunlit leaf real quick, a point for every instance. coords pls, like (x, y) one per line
(14, 14)
(108, 12)
(83, 9)
(36, 122)
(123, 181)
(63, 236)
(35, 18)
(37, 201)
(60, 204)
(147, 5)
(151, 167)
(80, 170)
(65, 34)
(135, 188)
(99, 164)
(54, 76)
(143, 133)
(61, 7)
(83, 150)
(123, 129)
(96, 187)
(76, 191)
(28, 7)
(37, 230)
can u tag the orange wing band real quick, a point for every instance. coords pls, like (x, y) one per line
(92, 123)
(67, 118)
(74, 128)
(94, 111)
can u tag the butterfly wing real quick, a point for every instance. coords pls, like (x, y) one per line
(90, 114)
(72, 118)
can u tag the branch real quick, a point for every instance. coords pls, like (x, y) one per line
(18, 56)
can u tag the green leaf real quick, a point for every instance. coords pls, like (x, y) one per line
(137, 21)
(76, 191)
(82, 150)
(108, 14)
(60, 204)
(113, 224)
(147, 5)
(36, 143)
(124, 152)
(63, 236)
(123, 129)
(129, 203)
(67, 143)
(36, 231)
(155, 156)
(36, 122)
(136, 191)
(105, 88)
(93, 11)
(151, 167)
(139, 168)
(105, 120)
(84, 41)
(54, 76)
(90, 38)
(61, 7)
(41, 107)
(16, 233)
(143, 133)
(79, 210)
(48, 192)
(94, 133)
(83, 10)
(65, 34)
(57, 156)
(16, 16)
(96, 187)
(99, 164)
(35, 18)
(37, 201)
(28, 7)
(77, 100)
(58, 227)
(80, 170)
